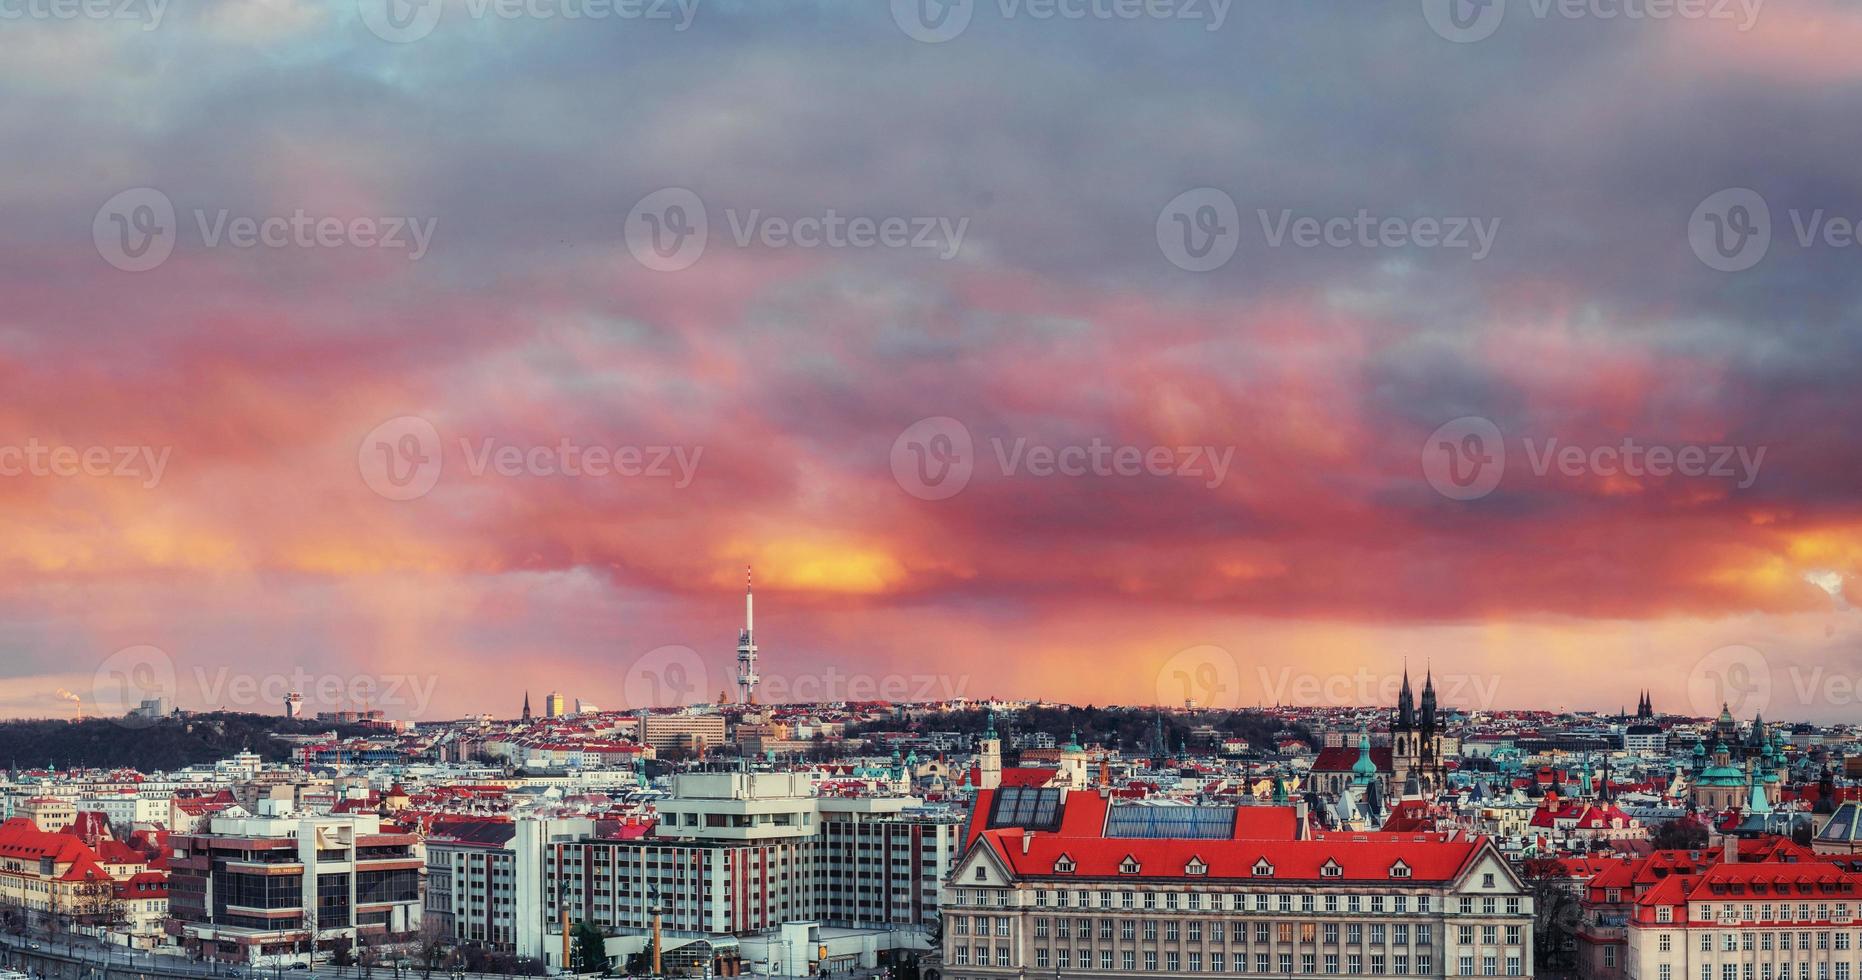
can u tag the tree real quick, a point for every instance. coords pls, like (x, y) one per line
(590, 951)
(1555, 915)
(433, 946)
(1683, 834)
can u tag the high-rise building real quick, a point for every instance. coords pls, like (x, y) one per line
(747, 677)
(554, 705)
(293, 705)
(736, 853)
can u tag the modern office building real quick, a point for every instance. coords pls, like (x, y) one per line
(255, 889)
(682, 732)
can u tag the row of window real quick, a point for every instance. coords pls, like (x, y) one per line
(1218, 931)
(1764, 971)
(1196, 901)
(1749, 941)
(1352, 964)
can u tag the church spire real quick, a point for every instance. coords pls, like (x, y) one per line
(1406, 703)
(1428, 700)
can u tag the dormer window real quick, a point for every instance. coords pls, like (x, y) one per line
(1399, 870)
(1063, 865)
(1331, 869)
(1129, 866)
(1262, 869)
(1196, 868)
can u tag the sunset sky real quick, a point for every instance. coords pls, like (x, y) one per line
(270, 380)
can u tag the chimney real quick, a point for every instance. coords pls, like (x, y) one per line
(1732, 850)
(1302, 829)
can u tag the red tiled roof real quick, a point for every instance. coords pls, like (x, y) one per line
(1340, 758)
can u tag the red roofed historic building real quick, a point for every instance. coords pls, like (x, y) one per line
(1080, 884)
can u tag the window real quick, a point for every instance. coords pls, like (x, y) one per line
(1398, 870)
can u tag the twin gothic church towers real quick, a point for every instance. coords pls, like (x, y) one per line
(1416, 739)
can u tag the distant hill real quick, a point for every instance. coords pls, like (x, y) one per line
(1128, 729)
(167, 744)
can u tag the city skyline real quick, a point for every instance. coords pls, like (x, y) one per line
(994, 361)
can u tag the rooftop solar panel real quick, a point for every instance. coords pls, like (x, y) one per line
(1171, 822)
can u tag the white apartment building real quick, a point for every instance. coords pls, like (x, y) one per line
(1748, 921)
(737, 853)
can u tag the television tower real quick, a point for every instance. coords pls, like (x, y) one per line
(746, 650)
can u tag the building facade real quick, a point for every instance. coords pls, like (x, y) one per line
(1067, 884)
(262, 889)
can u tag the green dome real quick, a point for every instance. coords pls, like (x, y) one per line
(1364, 766)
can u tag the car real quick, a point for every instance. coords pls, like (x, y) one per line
(300, 966)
